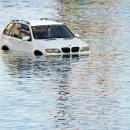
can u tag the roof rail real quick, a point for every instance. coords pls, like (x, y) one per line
(49, 19)
(16, 20)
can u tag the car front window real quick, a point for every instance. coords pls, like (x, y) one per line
(51, 31)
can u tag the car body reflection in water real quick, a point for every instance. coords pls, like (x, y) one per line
(61, 91)
(44, 82)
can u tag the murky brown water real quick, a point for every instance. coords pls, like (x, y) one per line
(69, 93)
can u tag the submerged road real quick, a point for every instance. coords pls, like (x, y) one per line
(69, 93)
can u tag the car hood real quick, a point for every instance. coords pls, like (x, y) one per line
(60, 42)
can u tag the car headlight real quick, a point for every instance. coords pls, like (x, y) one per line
(84, 49)
(54, 50)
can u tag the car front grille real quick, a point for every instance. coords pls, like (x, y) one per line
(68, 50)
(75, 49)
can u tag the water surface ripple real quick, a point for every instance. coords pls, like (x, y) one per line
(69, 93)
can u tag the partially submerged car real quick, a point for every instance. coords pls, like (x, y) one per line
(44, 36)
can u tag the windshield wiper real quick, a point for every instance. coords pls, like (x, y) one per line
(50, 39)
(66, 38)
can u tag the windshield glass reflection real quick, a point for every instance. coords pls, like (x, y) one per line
(51, 31)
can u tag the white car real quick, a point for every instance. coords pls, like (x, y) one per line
(44, 36)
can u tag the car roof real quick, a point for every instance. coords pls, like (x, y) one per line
(43, 21)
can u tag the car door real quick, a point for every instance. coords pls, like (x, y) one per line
(17, 34)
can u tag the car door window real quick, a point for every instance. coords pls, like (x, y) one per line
(8, 29)
(25, 31)
(15, 32)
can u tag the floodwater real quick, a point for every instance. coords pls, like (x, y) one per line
(69, 93)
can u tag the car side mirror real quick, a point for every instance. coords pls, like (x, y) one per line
(26, 38)
(77, 35)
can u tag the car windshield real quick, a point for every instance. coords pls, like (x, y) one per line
(51, 31)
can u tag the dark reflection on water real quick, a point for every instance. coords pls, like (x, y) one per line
(70, 92)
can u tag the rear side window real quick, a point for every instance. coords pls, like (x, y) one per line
(8, 29)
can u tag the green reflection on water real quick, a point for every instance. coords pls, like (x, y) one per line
(92, 18)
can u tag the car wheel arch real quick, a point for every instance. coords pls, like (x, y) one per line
(38, 53)
(5, 48)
